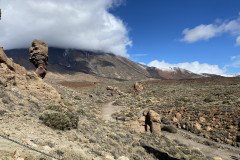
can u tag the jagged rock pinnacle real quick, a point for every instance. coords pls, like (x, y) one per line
(39, 57)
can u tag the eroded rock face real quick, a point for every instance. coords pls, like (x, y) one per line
(138, 86)
(16, 78)
(150, 121)
(10, 64)
(114, 90)
(39, 57)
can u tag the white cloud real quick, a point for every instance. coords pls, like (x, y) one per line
(194, 67)
(235, 57)
(238, 41)
(205, 32)
(201, 32)
(235, 61)
(76, 24)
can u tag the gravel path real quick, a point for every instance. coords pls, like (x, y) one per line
(217, 150)
(108, 109)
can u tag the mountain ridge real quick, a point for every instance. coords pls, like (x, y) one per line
(99, 64)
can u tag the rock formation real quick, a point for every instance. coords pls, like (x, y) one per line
(39, 57)
(149, 122)
(153, 119)
(114, 90)
(138, 86)
(15, 77)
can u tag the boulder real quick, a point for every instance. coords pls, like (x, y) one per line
(178, 115)
(153, 119)
(115, 90)
(39, 57)
(138, 86)
(149, 122)
(169, 128)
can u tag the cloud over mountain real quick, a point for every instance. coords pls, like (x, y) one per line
(78, 24)
(194, 67)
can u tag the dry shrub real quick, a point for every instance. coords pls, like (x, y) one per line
(53, 117)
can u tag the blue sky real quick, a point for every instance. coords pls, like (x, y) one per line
(202, 36)
(156, 31)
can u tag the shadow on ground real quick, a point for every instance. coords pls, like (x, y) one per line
(158, 154)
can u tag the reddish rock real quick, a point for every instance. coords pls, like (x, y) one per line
(16, 77)
(115, 90)
(138, 86)
(178, 116)
(39, 57)
(198, 126)
(150, 121)
(10, 64)
(174, 119)
(202, 119)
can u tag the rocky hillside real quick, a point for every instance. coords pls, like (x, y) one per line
(16, 79)
(30, 115)
(98, 64)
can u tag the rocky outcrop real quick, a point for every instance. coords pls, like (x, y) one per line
(15, 77)
(150, 121)
(138, 86)
(114, 90)
(8, 62)
(216, 123)
(39, 57)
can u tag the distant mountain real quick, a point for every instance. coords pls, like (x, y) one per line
(172, 73)
(98, 64)
(210, 75)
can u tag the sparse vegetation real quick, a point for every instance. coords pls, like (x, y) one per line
(204, 107)
(95, 138)
(55, 118)
(208, 99)
(77, 97)
(57, 108)
(99, 101)
(68, 103)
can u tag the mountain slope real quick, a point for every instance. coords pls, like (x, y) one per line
(98, 64)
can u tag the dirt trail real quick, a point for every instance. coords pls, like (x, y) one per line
(217, 150)
(108, 109)
(224, 151)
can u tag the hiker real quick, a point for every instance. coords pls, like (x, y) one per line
(116, 119)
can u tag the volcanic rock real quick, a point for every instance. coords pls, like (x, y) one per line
(138, 86)
(114, 89)
(10, 64)
(149, 121)
(16, 78)
(39, 57)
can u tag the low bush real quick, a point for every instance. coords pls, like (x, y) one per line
(99, 101)
(208, 99)
(54, 108)
(54, 118)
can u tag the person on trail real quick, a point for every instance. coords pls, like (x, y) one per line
(116, 119)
